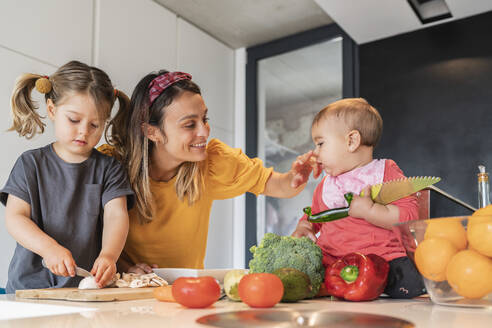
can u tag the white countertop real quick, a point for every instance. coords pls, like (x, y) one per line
(152, 313)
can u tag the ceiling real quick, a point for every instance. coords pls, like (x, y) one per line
(370, 20)
(244, 23)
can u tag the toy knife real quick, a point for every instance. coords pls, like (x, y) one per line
(383, 193)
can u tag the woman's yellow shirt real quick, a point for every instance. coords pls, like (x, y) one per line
(177, 235)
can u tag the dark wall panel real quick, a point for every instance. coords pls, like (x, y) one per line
(433, 88)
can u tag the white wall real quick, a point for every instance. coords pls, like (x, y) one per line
(127, 39)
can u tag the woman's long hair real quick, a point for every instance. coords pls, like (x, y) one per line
(134, 149)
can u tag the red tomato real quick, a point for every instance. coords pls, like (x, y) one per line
(196, 292)
(261, 289)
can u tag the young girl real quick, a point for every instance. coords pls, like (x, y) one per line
(345, 134)
(66, 203)
(177, 172)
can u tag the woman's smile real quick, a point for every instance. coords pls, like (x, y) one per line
(199, 145)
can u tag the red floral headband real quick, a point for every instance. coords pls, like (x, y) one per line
(162, 82)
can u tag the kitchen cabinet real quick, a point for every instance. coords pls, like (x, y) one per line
(51, 31)
(134, 38)
(212, 65)
(220, 244)
(12, 65)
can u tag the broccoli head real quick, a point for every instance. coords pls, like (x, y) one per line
(275, 252)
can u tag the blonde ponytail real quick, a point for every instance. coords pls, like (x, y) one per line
(26, 121)
(73, 77)
(118, 139)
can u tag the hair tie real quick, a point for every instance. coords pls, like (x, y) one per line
(115, 93)
(164, 81)
(43, 84)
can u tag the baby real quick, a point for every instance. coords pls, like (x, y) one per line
(345, 134)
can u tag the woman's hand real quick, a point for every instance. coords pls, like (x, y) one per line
(302, 167)
(59, 261)
(142, 268)
(289, 184)
(305, 228)
(103, 270)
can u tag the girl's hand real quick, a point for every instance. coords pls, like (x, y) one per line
(302, 167)
(361, 206)
(142, 268)
(59, 261)
(103, 270)
(305, 228)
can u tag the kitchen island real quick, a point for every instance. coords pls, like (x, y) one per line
(152, 313)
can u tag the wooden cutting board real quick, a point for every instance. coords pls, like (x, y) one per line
(88, 295)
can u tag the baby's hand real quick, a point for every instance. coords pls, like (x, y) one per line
(361, 205)
(305, 228)
(59, 261)
(302, 168)
(104, 269)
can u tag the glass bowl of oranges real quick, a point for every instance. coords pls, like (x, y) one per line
(454, 256)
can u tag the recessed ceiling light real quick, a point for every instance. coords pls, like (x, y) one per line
(430, 10)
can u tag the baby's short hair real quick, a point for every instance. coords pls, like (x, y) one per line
(358, 115)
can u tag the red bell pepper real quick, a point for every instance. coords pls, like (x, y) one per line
(357, 277)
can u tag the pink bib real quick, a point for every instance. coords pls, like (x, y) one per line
(353, 181)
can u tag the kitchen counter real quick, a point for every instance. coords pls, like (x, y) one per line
(152, 313)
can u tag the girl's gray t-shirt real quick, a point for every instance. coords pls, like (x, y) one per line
(67, 203)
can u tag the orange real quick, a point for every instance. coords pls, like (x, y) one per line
(164, 293)
(479, 232)
(450, 229)
(469, 273)
(484, 211)
(432, 257)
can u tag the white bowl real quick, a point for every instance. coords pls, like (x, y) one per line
(171, 274)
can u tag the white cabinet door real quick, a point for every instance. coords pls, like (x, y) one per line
(211, 64)
(220, 231)
(12, 65)
(134, 38)
(53, 31)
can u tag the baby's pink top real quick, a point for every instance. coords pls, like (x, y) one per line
(351, 234)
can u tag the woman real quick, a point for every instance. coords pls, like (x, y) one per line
(176, 175)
